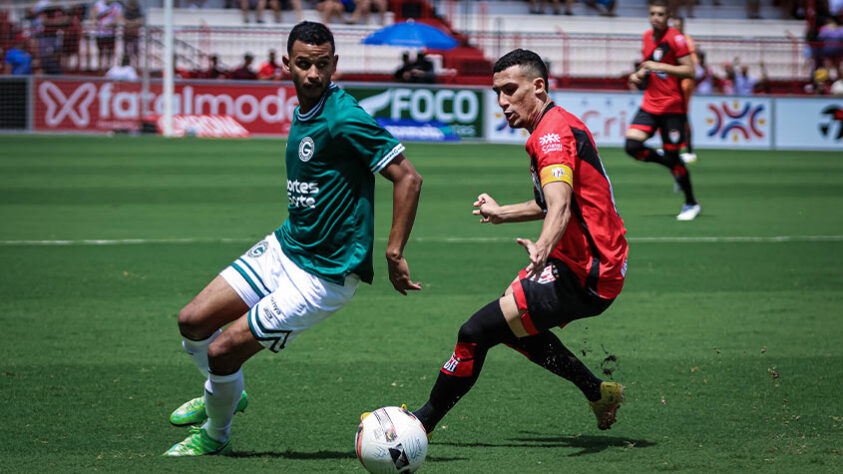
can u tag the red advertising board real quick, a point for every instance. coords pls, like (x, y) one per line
(96, 105)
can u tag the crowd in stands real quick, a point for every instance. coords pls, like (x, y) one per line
(49, 38)
(48, 41)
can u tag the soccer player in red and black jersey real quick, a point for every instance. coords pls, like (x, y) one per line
(576, 266)
(667, 61)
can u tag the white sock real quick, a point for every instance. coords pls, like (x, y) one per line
(198, 351)
(222, 394)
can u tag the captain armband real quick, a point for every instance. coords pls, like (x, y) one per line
(557, 172)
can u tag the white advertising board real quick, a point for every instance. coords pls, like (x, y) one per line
(716, 122)
(731, 122)
(809, 123)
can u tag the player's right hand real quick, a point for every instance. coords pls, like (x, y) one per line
(399, 275)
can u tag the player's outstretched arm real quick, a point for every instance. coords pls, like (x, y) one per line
(558, 198)
(490, 211)
(406, 188)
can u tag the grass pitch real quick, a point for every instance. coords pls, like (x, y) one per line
(727, 334)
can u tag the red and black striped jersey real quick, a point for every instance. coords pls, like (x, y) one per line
(663, 94)
(594, 244)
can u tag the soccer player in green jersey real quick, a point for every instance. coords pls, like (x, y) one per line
(310, 267)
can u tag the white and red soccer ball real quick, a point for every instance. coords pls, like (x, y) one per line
(391, 440)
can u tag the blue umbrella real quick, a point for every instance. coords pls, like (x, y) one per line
(410, 34)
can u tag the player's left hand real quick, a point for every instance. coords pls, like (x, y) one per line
(538, 257)
(399, 276)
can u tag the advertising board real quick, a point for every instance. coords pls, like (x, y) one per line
(92, 105)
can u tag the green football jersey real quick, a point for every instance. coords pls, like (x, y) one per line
(333, 153)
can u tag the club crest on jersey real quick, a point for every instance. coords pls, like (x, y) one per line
(306, 149)
(657, 54)
(673, 136)
(258, 249)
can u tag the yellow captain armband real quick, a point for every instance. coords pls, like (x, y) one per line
(553, 173)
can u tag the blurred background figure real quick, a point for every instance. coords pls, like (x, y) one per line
(705, 77)
(106, 15)
(537, 7)
(215, 70)
(244, 72)
(123, 72)
(402, 74)
(270, 70)
(330, 10)
(133, 20)
(363, 8)
(17, 60)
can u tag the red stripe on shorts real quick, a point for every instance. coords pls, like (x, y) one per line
(521, 303)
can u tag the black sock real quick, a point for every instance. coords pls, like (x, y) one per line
(546, 350)
(641, 152)
(485, 329)
(682, 176)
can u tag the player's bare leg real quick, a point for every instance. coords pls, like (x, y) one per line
(223, 390)
(199, 323)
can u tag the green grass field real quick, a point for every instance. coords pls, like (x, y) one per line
(728, 334)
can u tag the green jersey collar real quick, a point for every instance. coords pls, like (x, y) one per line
(316, 110)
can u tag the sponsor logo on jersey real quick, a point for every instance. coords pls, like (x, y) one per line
(657, 54)
(550, 142)
(258, 249)
(306, 149)
(302, 194)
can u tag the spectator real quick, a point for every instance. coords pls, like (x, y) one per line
(133, 20)
(72, 37)
(106, 14)
(259, 6)
(753, 9)
(331, 9)
(270, 70)
(604, 7)
(244, 72)
(18, 61)
(704, 76)
(294, 5)
(363, 8)
(831, 39)
(727, 82)
(51, 19)
(214, 71)
(123, 72)
(422, 70)
(537, 6)
(821, 84)
(402, 74)
(50, 64)
(747, 84)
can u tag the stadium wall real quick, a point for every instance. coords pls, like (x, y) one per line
(49, 104)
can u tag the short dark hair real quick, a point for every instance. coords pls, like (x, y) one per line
(311, 33)
(529, 61)
(659, 3)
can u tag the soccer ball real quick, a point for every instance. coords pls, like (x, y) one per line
(390, 440)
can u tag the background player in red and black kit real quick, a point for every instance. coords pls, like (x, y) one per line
(667, 60)
(577, 265)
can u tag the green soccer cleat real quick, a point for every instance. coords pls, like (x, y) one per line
(199, 443)
(193, 412)
(606, 409)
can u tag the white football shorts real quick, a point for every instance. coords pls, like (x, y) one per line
(284, 299)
